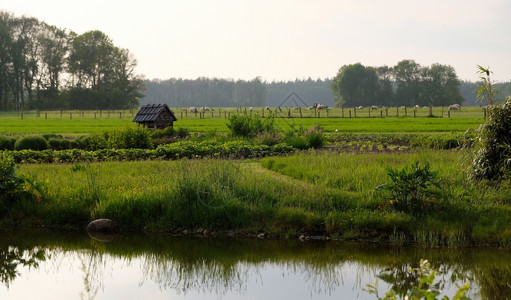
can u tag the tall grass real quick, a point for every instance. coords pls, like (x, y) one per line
(315, 192)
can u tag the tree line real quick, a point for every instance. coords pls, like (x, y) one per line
(202, 91)
(46, 67)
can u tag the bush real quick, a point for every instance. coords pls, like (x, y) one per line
(492, 151)
(7, 143)
(249, 126)
(129, 138)
(60, 144)
(33, 142)
(315, 137)
(410, 186)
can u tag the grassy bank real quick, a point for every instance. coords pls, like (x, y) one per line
(312, 193)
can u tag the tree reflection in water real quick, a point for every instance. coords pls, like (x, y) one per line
(221, 266)
(13, 257)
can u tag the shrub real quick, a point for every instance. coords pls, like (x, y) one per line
(128, 138)
(492, 151)
(250, 126)
(33, 142)
(315, 137)
(7, 143)
(59, 144)
(410, 186)
(298, 142)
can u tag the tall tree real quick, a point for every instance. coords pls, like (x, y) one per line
(408, 76)
(355, 85)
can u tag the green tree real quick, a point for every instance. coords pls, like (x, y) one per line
(408, 76)
(355, 85)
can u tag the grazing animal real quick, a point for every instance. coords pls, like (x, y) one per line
(194, 109)
(250, 108)
(374, 107)
(455, 107)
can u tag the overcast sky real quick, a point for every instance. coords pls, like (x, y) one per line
(289, 39)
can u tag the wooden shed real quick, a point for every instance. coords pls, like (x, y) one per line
(155, 116)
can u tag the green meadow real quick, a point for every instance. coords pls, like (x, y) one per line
(71, 123)
(331, 192)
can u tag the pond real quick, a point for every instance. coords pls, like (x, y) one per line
(70, 265)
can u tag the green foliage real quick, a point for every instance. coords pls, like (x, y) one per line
(129, 138)
(492, 151)
(410, 186)
(486, 92)
(315, 137)
(31, 142)
(250, 125)
(60, 144)
(425, 287)
(7, 143)
(10, 184)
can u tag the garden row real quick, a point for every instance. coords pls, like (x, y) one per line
(181, 149)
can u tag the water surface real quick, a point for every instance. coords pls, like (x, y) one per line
(50, 265)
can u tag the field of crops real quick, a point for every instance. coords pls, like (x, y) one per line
(393, 120)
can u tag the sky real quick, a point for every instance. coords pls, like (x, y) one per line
(289, 39)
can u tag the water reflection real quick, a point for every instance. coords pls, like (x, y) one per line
(199, 268)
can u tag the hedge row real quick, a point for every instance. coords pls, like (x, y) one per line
(183, 149)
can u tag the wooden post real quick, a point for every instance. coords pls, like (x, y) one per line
(45, 116)
(21, 116)
(350, 113)
(386, 111)
(369, 112)
(327, 111)
(262, 112)
(61, 113)
(397, 111)
(342, 112)
(448, 113)
(484, 112)
(70, 116)
(405, 112)
(94, 115)
(319, 114)
(354, 112)
(300, 109)
(414, 112)
(381, 113)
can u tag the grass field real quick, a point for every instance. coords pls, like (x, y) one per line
(77, 123)
(310, 193)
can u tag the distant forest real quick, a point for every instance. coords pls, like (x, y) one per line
(227, 93)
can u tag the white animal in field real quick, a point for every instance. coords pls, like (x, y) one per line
(322, 106)
(250, 108)
(374, 107)
(359, 107)
(417, 106)
(310, 107)
(455, 107)
(194, 109)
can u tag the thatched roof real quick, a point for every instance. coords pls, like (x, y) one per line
(150, 113)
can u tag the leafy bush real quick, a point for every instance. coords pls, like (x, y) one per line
(250, 126)
(315, 137)
(410, 186)
(33, 142)
(10, 184)
(492, 152)
(7, 143)
(60, 144)
(129, 138)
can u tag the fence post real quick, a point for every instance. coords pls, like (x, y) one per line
(406, 114)
(299, 108)
(342, 112)
(354, 112)
(448, 113)
(350, 113)
(414, 112)
(397, 111)
(45, 116)
(381, 113)
(369, 112)
(70, 116)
